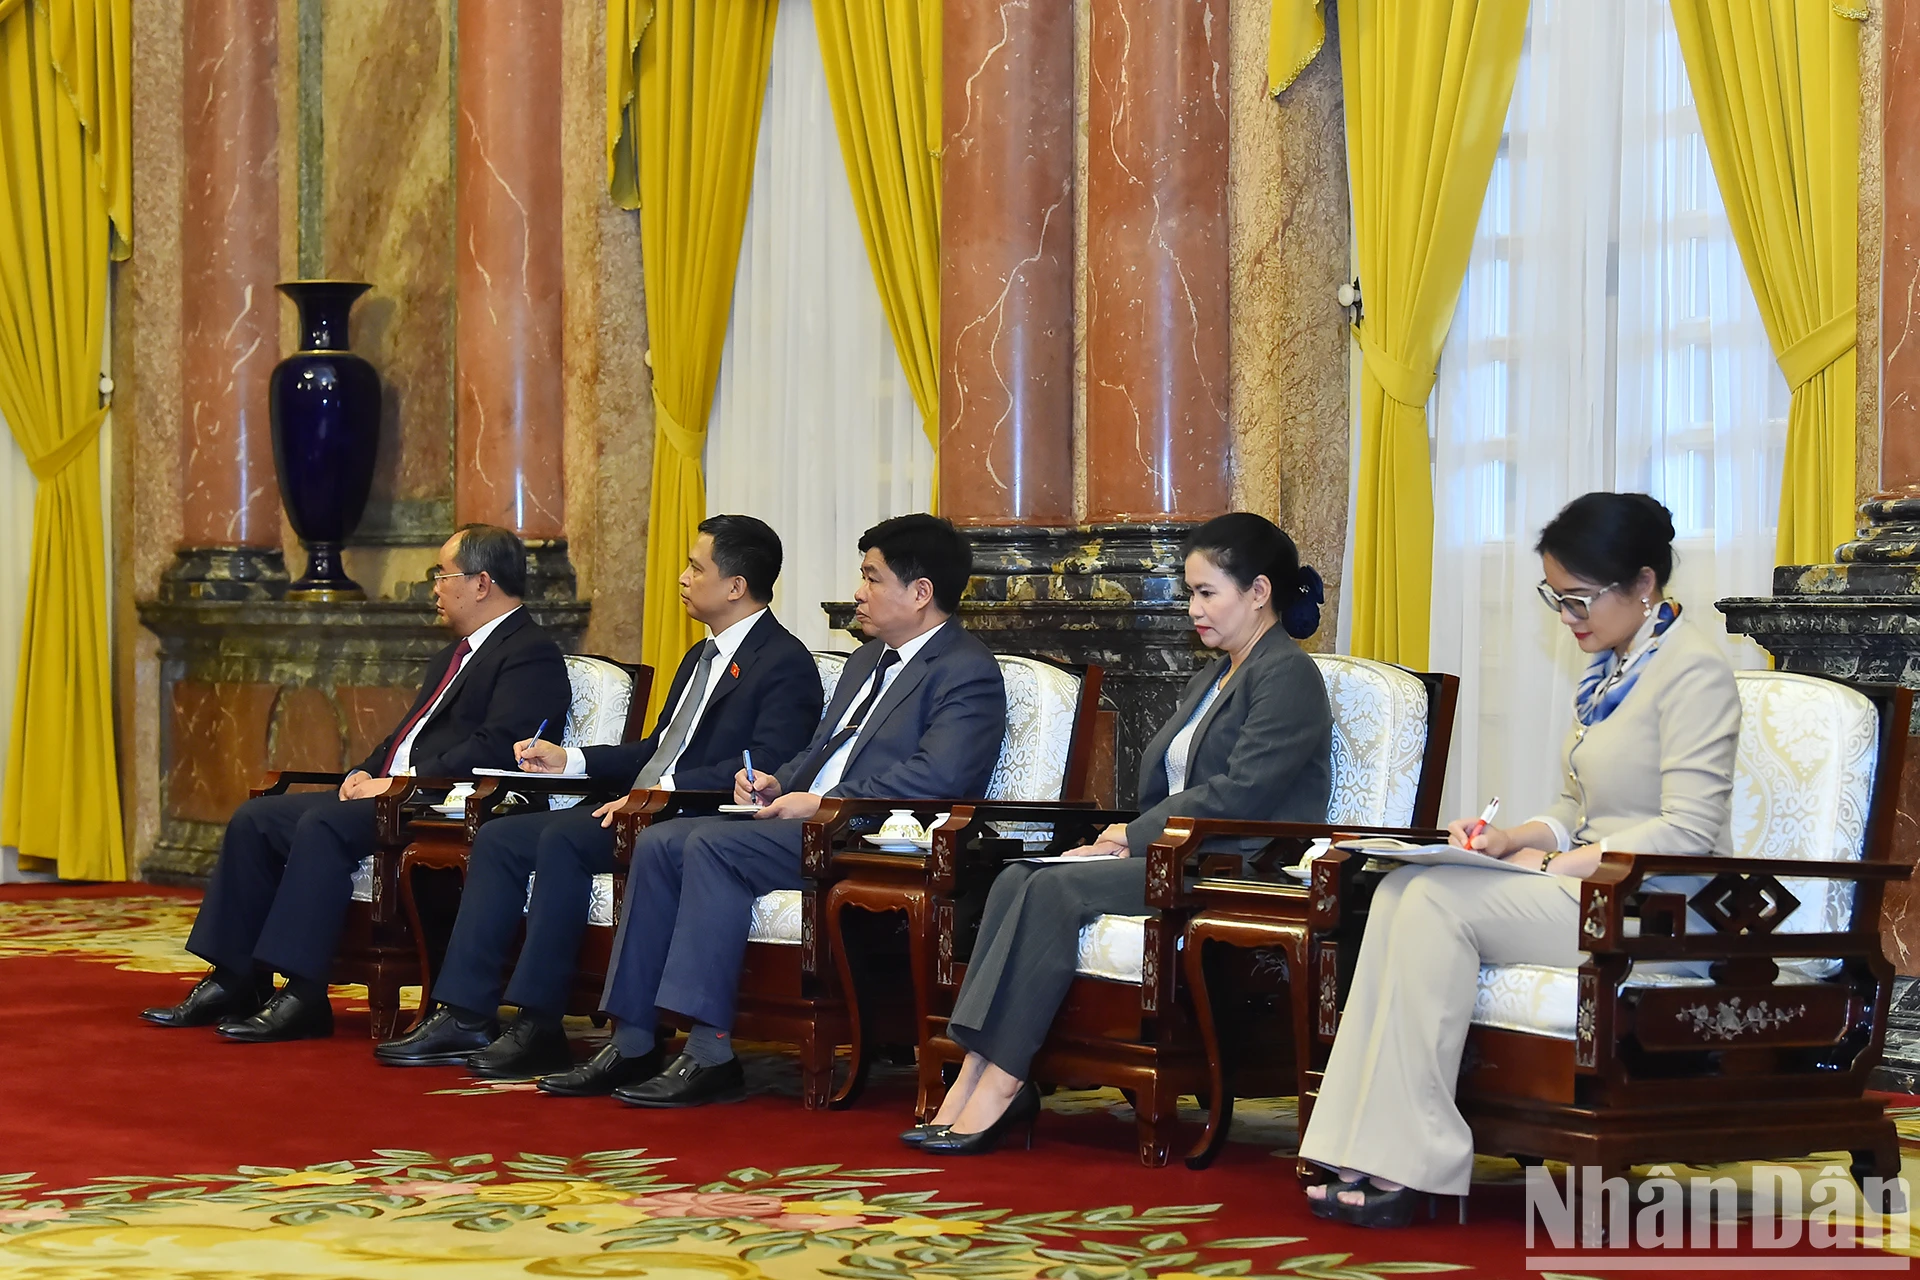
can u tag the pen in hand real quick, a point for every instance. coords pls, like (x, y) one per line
(522, 760)
(753, 781)
(1483, 821)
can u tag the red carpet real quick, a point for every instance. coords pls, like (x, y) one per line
(94, 1094)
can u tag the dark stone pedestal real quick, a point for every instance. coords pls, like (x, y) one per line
(1108, 594)
(225, 573)
(1860, 621)
(247, 686)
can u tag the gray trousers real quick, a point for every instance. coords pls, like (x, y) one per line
(1023, 962)
(1387, 1105)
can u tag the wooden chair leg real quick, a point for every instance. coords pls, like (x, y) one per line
(1882, 1161)
(1154, 1118)
(383, 1006)
(1219, 1101)
(816, 1072)
(858, 1060)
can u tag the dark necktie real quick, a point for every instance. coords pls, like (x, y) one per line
(803, 776)
(460, 652)
(681, 727)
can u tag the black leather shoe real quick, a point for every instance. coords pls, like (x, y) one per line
(286, 1017)
(685, 1083)
(206, 1004)
(1023, 1109)
(921, 1132)
(601, 1074)
(440, 1041)
(525, 1049)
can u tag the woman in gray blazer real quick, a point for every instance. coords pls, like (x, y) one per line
(1648, 767)
(1252, 739)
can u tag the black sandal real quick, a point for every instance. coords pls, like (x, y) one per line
(1379, 1207)
(1326, 1206)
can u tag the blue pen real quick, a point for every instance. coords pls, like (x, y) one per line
(753, 783)
(536, 737)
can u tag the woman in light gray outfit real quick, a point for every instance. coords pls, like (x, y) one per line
(1251, 739)
(1648, 769)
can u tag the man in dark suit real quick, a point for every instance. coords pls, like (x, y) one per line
(280, 890)
(919, 713)
(753, 688)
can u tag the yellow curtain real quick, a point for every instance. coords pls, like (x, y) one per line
(883, 74)
(699, 76)
(1293, 41)
(1427, 84)
(1777, 85)
(64, 184)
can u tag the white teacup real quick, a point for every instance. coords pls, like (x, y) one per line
(457, 796)
(901, 825)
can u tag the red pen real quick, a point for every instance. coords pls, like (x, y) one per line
(1482, 822)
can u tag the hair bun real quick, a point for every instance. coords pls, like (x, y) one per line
(1301, 615)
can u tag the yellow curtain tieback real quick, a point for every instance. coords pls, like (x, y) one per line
(57, 459)
(1815, 351)
(689, 444)
(1401, 381)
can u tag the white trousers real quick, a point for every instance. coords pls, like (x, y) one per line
(1387, 1105)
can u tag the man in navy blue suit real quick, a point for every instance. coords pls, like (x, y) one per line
(752, 687)
(919, 712)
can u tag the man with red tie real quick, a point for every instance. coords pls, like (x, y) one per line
(279, 894)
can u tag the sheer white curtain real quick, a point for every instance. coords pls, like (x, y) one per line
(16, 559)
(1606, 338)
(814, 428)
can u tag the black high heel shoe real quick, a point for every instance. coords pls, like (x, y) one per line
(1024, 1109)
(921, 1132)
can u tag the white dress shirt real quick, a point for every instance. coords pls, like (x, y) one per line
(403, 758)
(727, 643)
(831, 772)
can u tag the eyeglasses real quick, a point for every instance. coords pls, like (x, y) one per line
(1578, 606)
(440, 575)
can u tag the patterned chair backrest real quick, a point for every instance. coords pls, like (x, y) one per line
(1042, 702)
(597, 716)
(830, 666)
(1379, 740)
(1803, 776)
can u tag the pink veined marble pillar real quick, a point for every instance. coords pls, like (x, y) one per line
(508, 390)
(229, 262)
(1157, 268)
(1006, 264)
(1900, 247)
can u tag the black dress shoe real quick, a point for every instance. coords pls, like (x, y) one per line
(286, 1017)
(601, 1074)
(440, 1041)
(1023, 1109)
(206, 1004)
(921, 1132)
(526, 1049)
(685, 1083)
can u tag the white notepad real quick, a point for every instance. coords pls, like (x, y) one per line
(1432, 855)
(524, 773)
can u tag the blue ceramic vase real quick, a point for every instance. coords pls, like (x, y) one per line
(324, 403)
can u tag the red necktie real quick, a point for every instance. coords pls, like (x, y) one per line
(460, 652)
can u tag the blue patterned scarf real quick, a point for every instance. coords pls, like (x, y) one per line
(1611, 677)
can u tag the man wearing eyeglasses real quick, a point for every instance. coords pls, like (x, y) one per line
(279, 894)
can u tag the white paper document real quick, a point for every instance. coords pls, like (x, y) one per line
(527, 773)
(1431, 855)
(1061, 857)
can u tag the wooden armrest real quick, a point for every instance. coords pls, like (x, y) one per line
(275, 781)
(646, 806)
(1178, 850)
(1670, 864)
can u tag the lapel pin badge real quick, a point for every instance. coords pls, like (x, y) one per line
(735, 670)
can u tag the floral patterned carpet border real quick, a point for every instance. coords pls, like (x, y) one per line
(514, 1184)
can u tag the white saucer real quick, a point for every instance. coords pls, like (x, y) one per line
(893, 845)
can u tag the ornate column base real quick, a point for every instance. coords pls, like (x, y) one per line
(1108, 594)
(225, 573)
(248, 686)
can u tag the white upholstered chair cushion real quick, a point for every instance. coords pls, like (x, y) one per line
(1379, 740)
(1041, 702)
(830, 665)
(1111, 947)
(1802, 784)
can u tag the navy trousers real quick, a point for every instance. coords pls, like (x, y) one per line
(689, 904)
(562, 851)
(280, 891)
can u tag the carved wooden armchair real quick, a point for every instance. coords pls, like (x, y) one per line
(1765, 1055)
(389, 941)
(1137, 1017)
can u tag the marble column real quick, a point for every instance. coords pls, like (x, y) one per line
(1157, 320)
(1899, 248)
(1006, 273)
(509, 387)
(229, 261)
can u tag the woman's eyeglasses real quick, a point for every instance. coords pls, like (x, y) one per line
(1578, 606)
